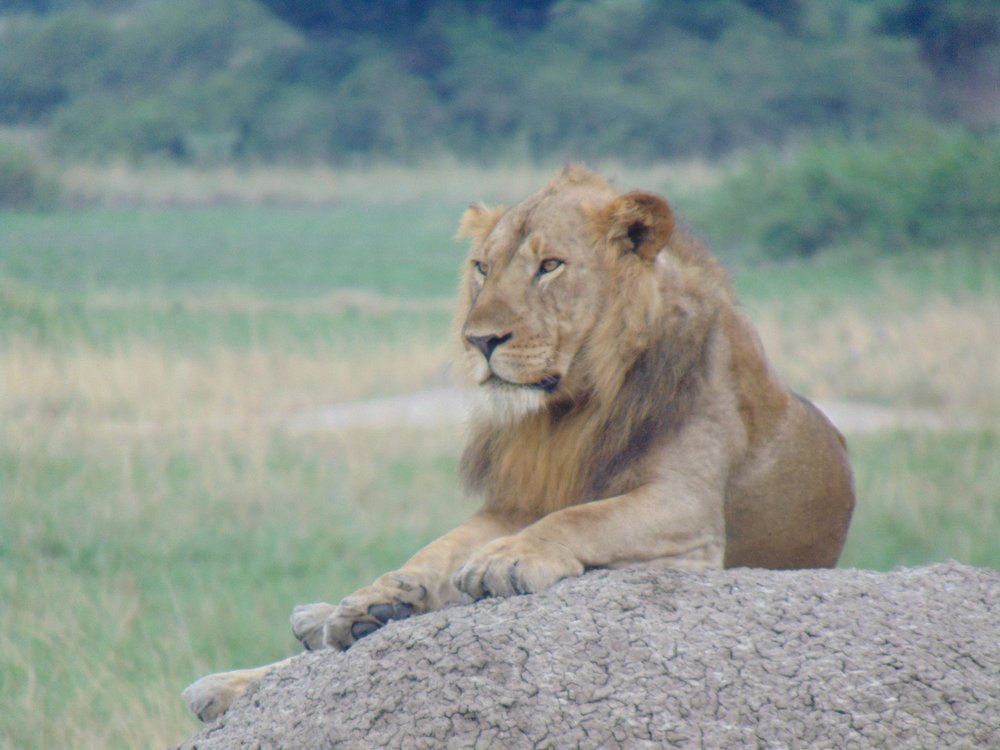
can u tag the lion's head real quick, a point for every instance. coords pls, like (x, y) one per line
(568, 277)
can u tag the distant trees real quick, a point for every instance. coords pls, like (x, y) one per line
(40, 62)
(960, 41)
(484, 79)
(393, 18)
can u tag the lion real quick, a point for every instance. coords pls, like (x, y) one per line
(632, 418)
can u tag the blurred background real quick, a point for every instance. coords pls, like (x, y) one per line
(226, 263)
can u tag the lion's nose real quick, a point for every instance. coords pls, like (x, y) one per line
(486, 344)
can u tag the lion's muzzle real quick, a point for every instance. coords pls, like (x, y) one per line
(486, 344)
(525, 363)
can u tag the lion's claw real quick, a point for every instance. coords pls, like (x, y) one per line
(381, 612)
(516, 565)
(394, 596)
(360, 629)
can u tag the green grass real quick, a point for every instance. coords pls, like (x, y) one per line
(858, 277)
(393, 250)
(402, 250)
(152, 563)
(199, 279)
(925, 497)
(157, 522)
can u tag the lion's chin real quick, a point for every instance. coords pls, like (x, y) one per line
(501, 401)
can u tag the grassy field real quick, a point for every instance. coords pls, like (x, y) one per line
(159, 521)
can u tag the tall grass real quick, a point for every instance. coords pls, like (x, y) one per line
(941, 355)
(158, 521)
(137, 561)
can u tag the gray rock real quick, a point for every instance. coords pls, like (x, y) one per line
(659, 658)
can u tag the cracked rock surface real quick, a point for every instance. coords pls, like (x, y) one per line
(647, 658)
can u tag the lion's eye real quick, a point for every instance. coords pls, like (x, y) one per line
(480, 267)
(548, 266)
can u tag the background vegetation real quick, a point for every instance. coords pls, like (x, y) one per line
(216, 217)
(922, 187)
(274, 79)
(841, 121)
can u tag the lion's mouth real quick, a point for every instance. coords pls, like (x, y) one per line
(548, 384)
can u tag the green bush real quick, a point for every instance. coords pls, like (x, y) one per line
(918, 186)
(99, 127)
(23, 183)
(185, 79)
(44, 62)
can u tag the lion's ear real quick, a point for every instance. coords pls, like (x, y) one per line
(637, 222)
(478, 221)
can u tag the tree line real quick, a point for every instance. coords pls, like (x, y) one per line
(342, 80)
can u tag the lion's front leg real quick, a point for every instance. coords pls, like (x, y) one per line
(677, 526)
(423, 584)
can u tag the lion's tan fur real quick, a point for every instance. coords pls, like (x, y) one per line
(635, 419)
(663, 317)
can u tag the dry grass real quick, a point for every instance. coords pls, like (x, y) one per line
(940, 355)
(139, 387)
(123, 185)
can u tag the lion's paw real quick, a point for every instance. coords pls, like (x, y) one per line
(516, 565)
(210, 696)
(394, 596)
(308, 621)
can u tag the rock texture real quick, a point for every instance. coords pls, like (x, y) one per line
(659, 658)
